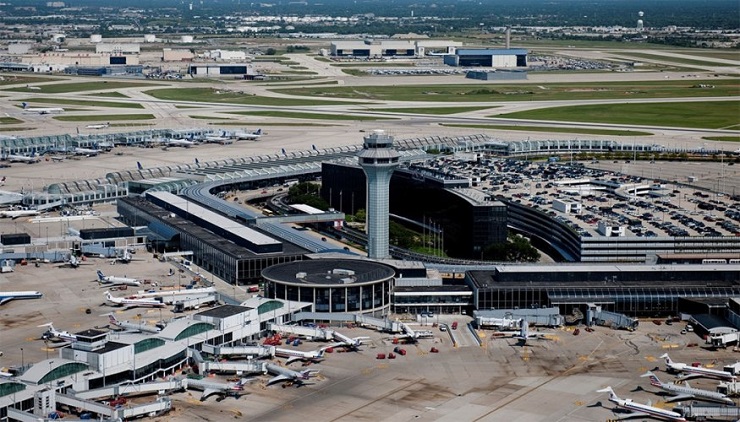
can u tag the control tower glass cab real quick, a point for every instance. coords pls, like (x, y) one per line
(378, 159)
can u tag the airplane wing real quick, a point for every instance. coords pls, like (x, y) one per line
(292, 359)
(278, 379)
(680, 397)
(633, 415)
(209, 391)
(688, 377)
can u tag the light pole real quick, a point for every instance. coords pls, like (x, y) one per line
(23, 363)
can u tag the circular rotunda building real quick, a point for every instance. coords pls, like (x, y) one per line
(333, 285)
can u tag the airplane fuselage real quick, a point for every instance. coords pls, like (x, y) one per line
(6, 297)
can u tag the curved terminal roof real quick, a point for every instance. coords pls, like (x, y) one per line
(329, 272)
(51, 369)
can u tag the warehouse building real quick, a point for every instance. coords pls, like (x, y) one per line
(486, 57)
(206, 70)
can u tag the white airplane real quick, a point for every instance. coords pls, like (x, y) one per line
(28, 159)
(179, 143)
(56, 335)
(217, 139)
(641, 410)
(142, 327)
(87, 152)
(686, 392)
(41, 110)
(133, 303)
(223, 390)
(71, 262)
(98, 126)
(247, 136)
(18, 213)
(524, 333)
(6, 297)
(695, 371)
(288, 375)
(350, 343)
(125, 258)
(109, 279)
(294, 355)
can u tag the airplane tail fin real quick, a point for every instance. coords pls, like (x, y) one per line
(140, 167)
(197, 163)
(258, 132)
(284, 153)
(612, 394)
(667, 358)
(112, 318)
(101, 276)
(24, 105)
(654, 380)
(313, 147)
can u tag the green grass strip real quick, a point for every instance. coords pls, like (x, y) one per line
(705, 115)
(104, 117)
(81, 86)
(228, 97)
(527, 92)
(557, 129)
(318, 116)
(722, 138)
(81, 102)
(432, 110)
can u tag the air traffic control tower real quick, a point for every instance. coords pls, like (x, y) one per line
(378, 159)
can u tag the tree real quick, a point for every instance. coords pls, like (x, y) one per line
(515, 249)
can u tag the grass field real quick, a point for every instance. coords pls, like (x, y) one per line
(527, 92)
(431, 110)
(9, 120)
(705, 115)
(557, 129)
(722, 138)
(109, 94)
(81, 86)
(104, 117)
(82, 103)
(671, 59)
(317, 116)
(15, 79)
(209, 95)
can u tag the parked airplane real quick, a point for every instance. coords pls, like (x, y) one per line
(18, 213)
(6, 297)
(109, 279)
(294, 355)
(142, 327)
(28, 159)
(350, 343)
(72, 262)
(217, 139)
(686, 392)
(288, 375)
(223, 390)
(98, 126)
(179, 143)
(695, 371)
(247, 136)
(56, 335)
(133, 303)
(87, 152)
(641, 410)
(124, 258)
(41, 110)
(524, 333)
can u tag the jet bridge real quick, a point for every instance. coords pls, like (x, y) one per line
(248, 367)
(314, 333)
(379, 324)
(248, 351)
(162, 404)
(129, 389)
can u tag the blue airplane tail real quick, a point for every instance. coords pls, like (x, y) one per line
(196, 161)
(259, 132)
(138, 164)
(100, 275)
(284, 153)
(24, 105)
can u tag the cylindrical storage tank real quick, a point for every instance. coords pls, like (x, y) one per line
(150, 38)
(96, 38)
(187, 38)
